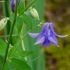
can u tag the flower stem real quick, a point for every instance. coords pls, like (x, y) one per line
(10, 35)
(20, 41)
(26, 34)
(27, 7)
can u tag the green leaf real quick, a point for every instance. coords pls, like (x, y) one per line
(27, 21)
(21, 6)
(8, 65)
(2, 47)
(19, 23)
(1, 61)
(19, 64)
(11, 17)
(13, 50)
(22, 53)
(23, 19)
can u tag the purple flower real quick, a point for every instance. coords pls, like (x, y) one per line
(12, 4)
(46, 35)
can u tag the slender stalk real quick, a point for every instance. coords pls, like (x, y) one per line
(10, 35)
(27, 7)
(6, 13)
(20, 41)
(26, 34)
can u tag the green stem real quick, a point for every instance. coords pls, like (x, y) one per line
(27, 7)
(20, 41)
(6, 13)
(26, 34)
(10, 35)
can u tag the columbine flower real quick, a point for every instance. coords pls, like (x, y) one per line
(46, 36)
(12, 4)
(3, 23)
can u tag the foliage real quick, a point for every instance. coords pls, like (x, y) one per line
(13, 52)
(59, 58)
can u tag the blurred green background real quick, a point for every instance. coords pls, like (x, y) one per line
(58, 12)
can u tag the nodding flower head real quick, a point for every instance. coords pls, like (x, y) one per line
(46, 35)
(12, 4)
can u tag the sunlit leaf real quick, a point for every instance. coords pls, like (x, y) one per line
(22, 53)
(21, 6)
(1, 61)
(19, 23)
(11, 17)
(12, 50)
(27, 21)
(19, 64)
(2, 47)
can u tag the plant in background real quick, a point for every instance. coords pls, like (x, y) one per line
(15, 57)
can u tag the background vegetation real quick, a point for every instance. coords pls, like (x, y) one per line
(58, 12)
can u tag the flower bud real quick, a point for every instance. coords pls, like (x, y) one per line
(34, 13)
(12, 4)
(3, 23)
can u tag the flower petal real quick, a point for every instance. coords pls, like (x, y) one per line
(52, 29)
(53, 40)
(18, 2)
(40, 40)
(12, 5)
(46, 43)
(33, 35)
(62, 36)
(45, 27)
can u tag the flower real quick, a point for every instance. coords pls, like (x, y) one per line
(3, 23)
(46, 35)
(12, 4)
(34, 13)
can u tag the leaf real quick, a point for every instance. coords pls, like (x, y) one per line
(22, 53)
(27, 21)
(1, 61)
(8, 65)
(18, 54)
(2, 47)
(23, 19)
(12, 50)
(19, 64)
(21, 6)
(11, 17)
(19, 23)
